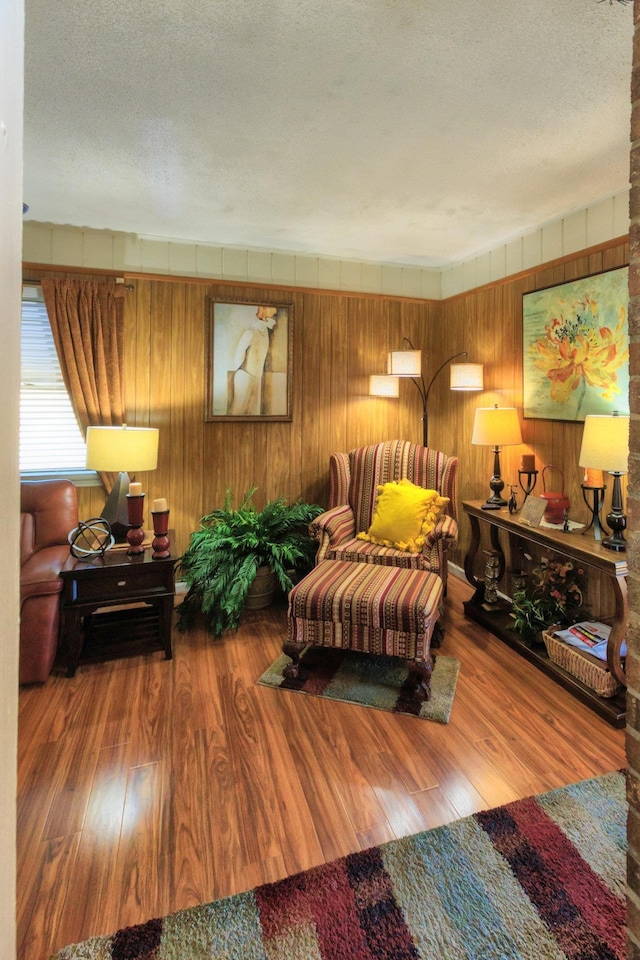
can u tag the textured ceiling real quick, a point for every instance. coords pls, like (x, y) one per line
(404, 131)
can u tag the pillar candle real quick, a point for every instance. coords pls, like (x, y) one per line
(528, 464)
(135, 489)
(593, 478)
(160, 505)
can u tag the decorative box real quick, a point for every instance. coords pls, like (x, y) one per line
(589, 670)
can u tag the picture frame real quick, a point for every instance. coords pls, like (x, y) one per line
(575, 348)
(249, 360)
(532, 511)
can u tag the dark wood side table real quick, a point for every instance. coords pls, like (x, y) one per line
(588, 552)
(141, 587)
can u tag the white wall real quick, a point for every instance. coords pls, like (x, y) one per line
(11, 95)
(48, 243)
(62, 245)
(607, 220)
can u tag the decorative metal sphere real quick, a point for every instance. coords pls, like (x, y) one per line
(91, 538)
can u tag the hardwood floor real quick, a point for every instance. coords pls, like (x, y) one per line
(146, 785)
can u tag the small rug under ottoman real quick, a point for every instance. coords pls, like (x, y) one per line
(371, 681)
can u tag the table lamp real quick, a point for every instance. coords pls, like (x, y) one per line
(496, 427)
(605, 446)
(121, 450)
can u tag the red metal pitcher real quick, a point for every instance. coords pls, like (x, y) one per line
(557, 503)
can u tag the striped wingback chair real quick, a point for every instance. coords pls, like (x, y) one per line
(354, 481)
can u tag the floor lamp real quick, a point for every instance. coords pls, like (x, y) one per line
(605, 446)
(408, 363)
(121, 450)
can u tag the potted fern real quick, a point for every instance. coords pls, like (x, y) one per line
(226, 554)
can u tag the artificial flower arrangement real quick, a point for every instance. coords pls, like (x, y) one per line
(555, 596)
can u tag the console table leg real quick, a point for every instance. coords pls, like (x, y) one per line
(478, 597)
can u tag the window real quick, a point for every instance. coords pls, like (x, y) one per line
(51, 441)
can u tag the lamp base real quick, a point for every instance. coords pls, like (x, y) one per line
(615, 543)
(115, 509)
(496, 483)
(616, 520)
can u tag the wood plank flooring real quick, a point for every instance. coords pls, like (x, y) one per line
(147, 785)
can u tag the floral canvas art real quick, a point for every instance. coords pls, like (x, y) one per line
(576, 348)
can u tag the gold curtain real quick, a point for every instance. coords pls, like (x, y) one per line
(88, 330)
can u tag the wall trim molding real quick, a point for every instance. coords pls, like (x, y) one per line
(127, 277)
(549, 265)
(131, 276)
(591, 228)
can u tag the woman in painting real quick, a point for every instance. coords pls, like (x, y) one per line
(249, 361)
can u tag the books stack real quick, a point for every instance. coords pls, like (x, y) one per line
(589, 636)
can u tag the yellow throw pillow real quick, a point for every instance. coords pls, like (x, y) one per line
(403, 515)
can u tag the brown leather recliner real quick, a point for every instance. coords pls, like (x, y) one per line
(48, 512)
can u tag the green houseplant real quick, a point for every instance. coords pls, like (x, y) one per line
(224, 556)
(555, 596)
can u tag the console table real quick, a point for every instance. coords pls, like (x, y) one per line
(584, 549)
(137, 594)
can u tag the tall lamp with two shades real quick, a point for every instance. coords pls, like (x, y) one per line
(408, 363)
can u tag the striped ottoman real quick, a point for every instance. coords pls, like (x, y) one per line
(366, 607)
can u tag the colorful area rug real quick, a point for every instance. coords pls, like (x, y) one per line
(379, 682)
(538, 879)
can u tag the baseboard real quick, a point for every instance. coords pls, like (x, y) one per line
(457, 571)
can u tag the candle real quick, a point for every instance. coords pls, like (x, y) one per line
(593, 478)
(528, 464)
(135, 489)
(160, 505)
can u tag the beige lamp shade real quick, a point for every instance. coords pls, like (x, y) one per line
(496, 427)
(466, 376)
(122, 449)
(405, 363)
(605, 443)
(384, 386)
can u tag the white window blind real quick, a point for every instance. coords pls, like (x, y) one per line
(50, 438)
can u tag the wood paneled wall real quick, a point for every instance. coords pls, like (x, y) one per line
(339, 339)
(489, 323)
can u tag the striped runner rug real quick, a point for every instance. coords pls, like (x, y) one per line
(537, 879)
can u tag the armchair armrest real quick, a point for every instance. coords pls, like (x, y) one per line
(437, 544)
(332, 527)
(339, 479)
(446, 529)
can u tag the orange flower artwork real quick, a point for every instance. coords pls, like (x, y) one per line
(576, 348)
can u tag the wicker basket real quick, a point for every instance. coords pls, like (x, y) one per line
(589, 670)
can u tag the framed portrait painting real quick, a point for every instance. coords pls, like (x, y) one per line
(249, 360)
(576, 348)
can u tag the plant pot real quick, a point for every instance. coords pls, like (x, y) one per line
(260, 592)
